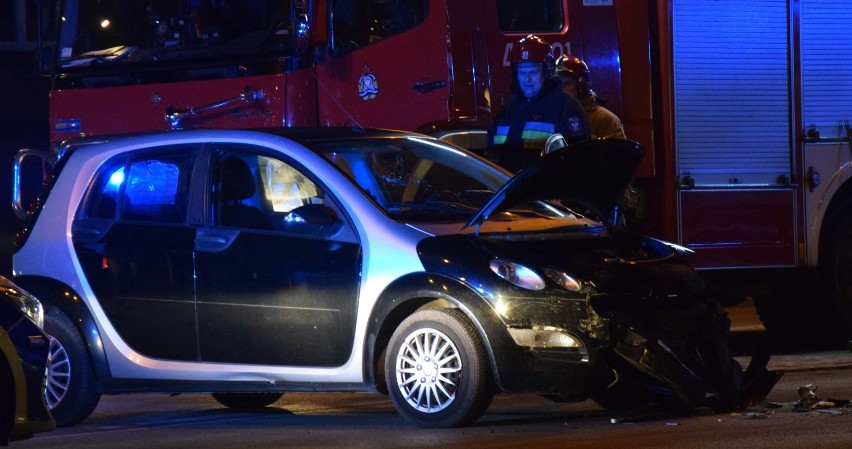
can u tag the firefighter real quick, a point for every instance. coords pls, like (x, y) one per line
(577, 81)
(537, 109)
(603, 124)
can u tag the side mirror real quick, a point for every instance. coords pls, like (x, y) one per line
(301, 34)
(553, 143)
(313, 219)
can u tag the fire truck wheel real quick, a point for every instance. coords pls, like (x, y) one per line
(782, 309)
(835, 272)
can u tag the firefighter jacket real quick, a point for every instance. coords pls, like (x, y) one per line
(518, 136)
(603, 123)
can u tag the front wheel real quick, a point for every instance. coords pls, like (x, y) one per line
(70, 391)
(436, 370)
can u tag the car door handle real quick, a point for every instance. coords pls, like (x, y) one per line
(214, 240)
(424, 88)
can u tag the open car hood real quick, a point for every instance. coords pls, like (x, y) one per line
(594, 174)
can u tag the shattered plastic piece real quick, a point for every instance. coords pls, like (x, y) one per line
(832, 412)
(751, 415)
(807, 396)
(672, 424)
(824, 404)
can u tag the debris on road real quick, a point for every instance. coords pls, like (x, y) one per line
(808, 401)
(751, 415)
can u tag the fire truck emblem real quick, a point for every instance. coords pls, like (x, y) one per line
(368, 85)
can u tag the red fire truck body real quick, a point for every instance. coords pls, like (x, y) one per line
(747, 160)
(449, 71)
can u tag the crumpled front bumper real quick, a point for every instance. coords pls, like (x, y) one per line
(528, 361)
(657, 361)
(660, 346)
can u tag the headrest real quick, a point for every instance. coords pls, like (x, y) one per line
(238, 183)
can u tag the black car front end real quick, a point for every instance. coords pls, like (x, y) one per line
(23, 359)
(582, 310)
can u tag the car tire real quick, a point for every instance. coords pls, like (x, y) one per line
(7, 401)
(784, 309)
(246, 400)
(71, 393)
(452, 391)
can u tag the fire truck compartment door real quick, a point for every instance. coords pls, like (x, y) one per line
(738, 228)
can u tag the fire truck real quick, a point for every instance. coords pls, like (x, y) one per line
(742, 107)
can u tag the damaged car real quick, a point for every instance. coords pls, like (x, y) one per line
(24, 363)
(249, 264)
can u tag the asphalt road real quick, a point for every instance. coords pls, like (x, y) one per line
(355, 420)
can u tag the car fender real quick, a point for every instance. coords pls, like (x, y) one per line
(11, 374)
(53, 293)
(414, 291)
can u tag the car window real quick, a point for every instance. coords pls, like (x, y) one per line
(283, 187)
(146, 186)
(417, 179)
(147, 35)
(256, 191)
(425, 181)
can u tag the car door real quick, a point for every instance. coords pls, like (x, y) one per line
(278, 267)
(135, 249)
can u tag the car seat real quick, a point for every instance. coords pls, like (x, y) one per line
(237, 185)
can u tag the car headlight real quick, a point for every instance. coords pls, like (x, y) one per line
(27, 303)
(517, 274)
(564, 280)
(545, 337)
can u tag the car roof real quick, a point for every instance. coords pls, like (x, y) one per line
(295, 133)
(298, 134)
(331, 132)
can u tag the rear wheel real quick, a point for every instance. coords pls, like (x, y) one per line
(246, 400)
(436, 370)
(70, 391)
(791, 310)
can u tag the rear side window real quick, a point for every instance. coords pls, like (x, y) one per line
(146, 186)
(530, 16)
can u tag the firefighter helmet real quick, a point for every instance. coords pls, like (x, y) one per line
(576, 67)
(533, 49)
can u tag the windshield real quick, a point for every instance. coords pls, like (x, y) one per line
(104, 32)
(421, 180)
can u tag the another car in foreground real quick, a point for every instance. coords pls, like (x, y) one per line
(248, 264)
(23, 365)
